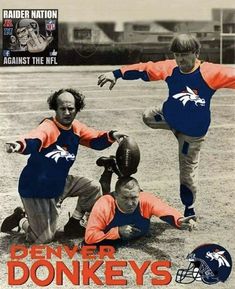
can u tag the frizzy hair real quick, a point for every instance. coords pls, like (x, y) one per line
(78, 96)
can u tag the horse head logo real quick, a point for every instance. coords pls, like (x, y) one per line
(189, 95)
(58, 153)
(218, 256)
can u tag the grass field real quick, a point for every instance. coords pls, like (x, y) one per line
(23, 96)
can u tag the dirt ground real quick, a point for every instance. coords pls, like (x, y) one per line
(23, 95)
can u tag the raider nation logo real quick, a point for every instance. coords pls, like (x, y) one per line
(30, 37)
(208, 263)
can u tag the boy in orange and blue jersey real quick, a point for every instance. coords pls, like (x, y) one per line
(125, 214)
(45, 181)
(186, 112)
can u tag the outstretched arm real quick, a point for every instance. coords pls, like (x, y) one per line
(107, 77)
(187, 223)
(27, 144)
(152, 205)
(148, 71)
(97, 139)
(218, 76)
(37, 138)
(13, 147)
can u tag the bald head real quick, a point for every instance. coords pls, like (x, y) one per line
(127, 192)
(126, 183)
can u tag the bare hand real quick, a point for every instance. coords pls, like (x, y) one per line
(128, 232)
(118, 136)
(107, 77)
(188, 223)
(12, 147)
(37, 43)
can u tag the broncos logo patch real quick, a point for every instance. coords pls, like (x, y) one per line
(189, 95)
(218, 256)
(60, 153)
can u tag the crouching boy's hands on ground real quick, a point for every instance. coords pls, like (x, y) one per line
(127, 232)
(187, 223)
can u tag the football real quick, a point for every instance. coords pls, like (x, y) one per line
(128, 156)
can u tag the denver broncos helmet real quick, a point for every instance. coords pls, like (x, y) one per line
(209, 263)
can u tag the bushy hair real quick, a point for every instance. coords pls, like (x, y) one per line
(185, 43)
(78, 96)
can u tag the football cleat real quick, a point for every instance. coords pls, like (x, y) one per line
(13, 220)
(73, 228)
(189, 212)
(109, 163)
(110, 167)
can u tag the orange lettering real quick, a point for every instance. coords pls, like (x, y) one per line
(11, 273)
(89, 272)
(106, 251)
(110, 272)
(15, 249)
(71, 252)
(49, 278)
(36, 251)
(167, 276)
(73, 277)
(87, 252)
(139, 271)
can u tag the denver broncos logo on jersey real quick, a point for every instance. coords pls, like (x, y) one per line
(189, 95)
(218, 256)
(60, 153)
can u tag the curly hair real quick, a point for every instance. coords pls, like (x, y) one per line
(78, 96)
(185, 43)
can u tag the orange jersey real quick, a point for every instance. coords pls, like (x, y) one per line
(106, 217)
(187, 108)
(53, 149)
